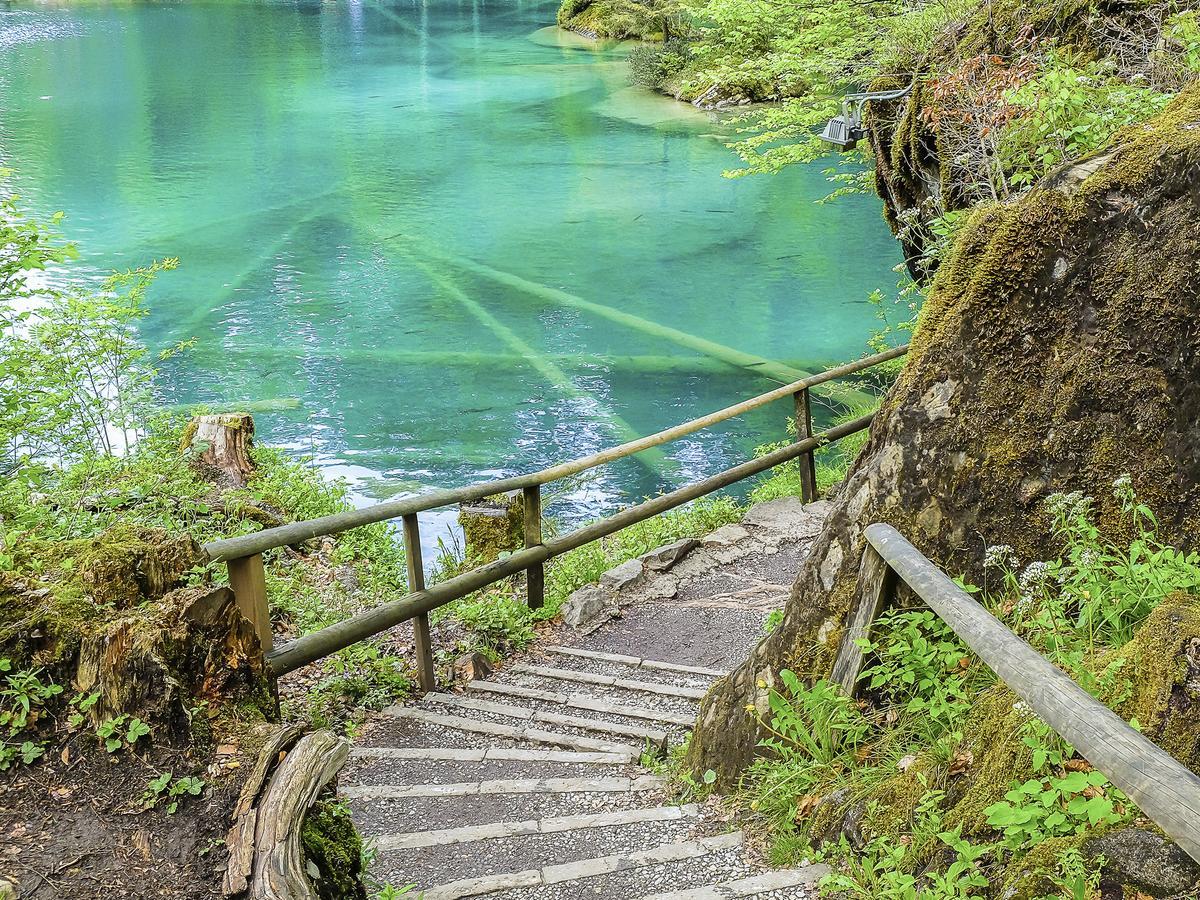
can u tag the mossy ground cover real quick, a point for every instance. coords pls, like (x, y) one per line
(938, 780)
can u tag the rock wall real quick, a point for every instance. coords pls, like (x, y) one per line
(1058, 350)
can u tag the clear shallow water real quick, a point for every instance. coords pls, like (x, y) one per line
(332, 175)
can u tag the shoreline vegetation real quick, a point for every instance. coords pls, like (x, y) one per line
(111, 690)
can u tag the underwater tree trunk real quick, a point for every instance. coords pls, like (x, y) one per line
(1058, 351)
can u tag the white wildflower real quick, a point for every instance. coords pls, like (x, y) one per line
(1001, 556)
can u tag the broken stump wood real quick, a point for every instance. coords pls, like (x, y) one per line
(876, 583)
(266, 859)
(224, 441)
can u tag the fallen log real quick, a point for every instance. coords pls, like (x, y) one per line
(266, 859)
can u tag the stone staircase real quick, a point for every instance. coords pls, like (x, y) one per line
(528, 785)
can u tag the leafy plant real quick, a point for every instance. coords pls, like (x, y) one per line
(921, 665)
(121, 731)
(22, 700)
(1069, 110)
(171, 790)
(1040, 808)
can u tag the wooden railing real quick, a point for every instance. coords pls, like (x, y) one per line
(243, 554)
(1162, 787)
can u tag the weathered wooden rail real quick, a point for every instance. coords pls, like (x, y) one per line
(243, 554)
(1162, 787)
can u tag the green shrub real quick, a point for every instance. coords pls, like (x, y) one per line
(652, 65)
(1069, 111)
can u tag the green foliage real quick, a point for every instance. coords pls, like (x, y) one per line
(1069, 110)
(22, 701)
(74, 378)
(1042, 808)
(651, 65)
(812, 733)
(166, 788)
(122, 731)
(921, 666)
(883, 870)
(1097, 593)
(499, 623)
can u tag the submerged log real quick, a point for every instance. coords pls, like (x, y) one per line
(223, 442)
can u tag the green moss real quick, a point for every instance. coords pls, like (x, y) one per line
(1163, 662)
(333, 845)
(492, 526)
(1026, 877)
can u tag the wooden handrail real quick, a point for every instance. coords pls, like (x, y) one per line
(297, 532)
(1162, 787)
(380, 618)
(243, 555)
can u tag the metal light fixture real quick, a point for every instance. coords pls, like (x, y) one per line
(845, 131)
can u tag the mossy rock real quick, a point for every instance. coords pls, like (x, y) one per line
(1057, 351)
(333, 847)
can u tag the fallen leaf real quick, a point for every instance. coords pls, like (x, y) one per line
(906, 762)
(227, 750)
(1077, 765)
(65, 756)
(806, 805)
(962, 762)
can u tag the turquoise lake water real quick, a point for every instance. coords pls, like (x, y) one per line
(342, 182)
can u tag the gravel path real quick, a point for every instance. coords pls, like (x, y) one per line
(482, 809)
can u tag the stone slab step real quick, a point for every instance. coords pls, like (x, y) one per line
(615, 784)
(637, 662)
(766, 882)
(628, 684)
(512, 732)
(581, 702)
(583, 869)
(523, 712)
(490, 754)
(550, 825)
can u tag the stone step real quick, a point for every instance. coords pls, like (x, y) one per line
(583, 702)
(640, 732)
(751, 886)
(514, 733)
(574, 875)
(613, 784)
(490, 754)
(379, 815)
(636, 662)
(628, 684)
(550, 825)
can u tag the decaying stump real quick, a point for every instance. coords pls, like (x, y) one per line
(265, 857)
(492, 526)
(191, 644)
(224, 442)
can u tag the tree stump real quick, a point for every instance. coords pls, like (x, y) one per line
(223, 442)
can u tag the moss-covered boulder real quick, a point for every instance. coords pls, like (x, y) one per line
(1057, 351)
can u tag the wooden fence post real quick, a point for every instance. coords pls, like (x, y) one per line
(248, 580)
(808, 463)
(535, 575)
(422, 645)
(876, 583)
